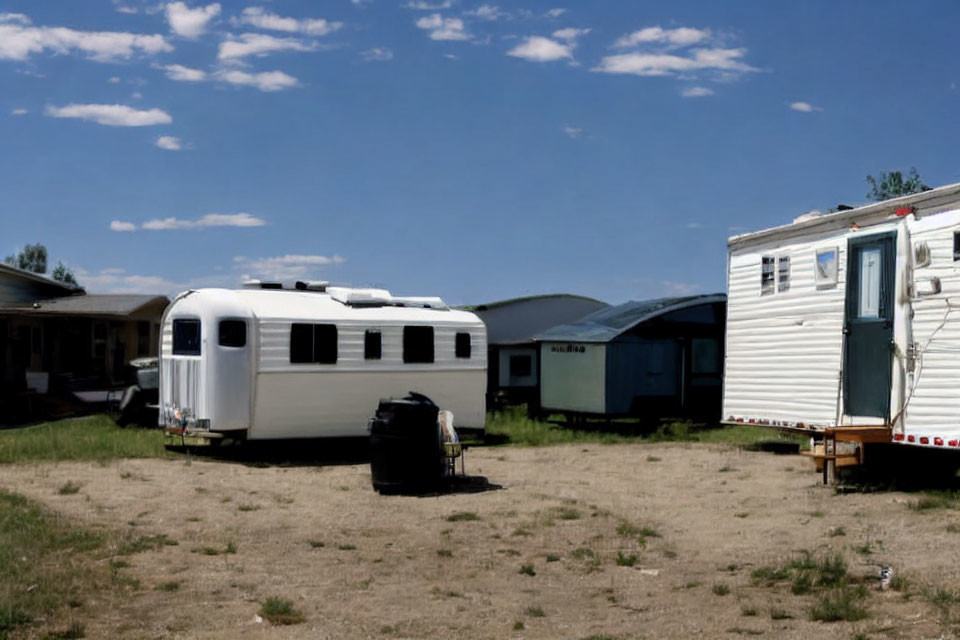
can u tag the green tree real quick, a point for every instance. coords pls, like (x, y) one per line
(32, 257)
(62, 273)
(893, 184)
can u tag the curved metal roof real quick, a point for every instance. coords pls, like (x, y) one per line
(521, 320)
(607, 324)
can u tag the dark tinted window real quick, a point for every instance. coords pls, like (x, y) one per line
(186, 337)
(325, 343)
(301, 343)
(956, 246)
(520, 366)
(233, 333)
(372, 345)
(418, 344)
(463, 345)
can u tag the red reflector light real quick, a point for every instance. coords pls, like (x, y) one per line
(954, 443)
(752, 421)
(898, 436)
(938, 441)
(911, 438)
(902, 211)
(924, 440)
(801, 425)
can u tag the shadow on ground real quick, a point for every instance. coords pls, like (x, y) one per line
(890, 467)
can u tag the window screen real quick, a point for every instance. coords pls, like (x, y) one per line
(767, 283)
(520, 366)
(186, 337)
(233, 333)
(372, 345)
(463, 345)
(417, 344)
(783, 273)
(301, 343)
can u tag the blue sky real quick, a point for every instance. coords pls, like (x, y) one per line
(471, 150)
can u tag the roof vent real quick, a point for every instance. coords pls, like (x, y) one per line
(259, 284)
(844, 207)
(311, 285)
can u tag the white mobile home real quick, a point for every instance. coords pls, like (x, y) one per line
(849, 322)
(267, 363)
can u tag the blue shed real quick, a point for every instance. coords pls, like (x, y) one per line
(652, 358)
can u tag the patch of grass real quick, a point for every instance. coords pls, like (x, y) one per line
(777, 613)
(832, 571)
(586, 554)
(802, 583)
(742, 514)
(90, 438)
(518, 625)
(817, 514)
(168, 586)
(653, 459)
(598, 636)
(527, 570)
(73, 632)
(535, 612)
(445, 553)
(626, 560)
(280, 611)
(248, 507)
(628, 530)
(720, 589)
(347, 547)
(942, 597)
(864, 549)
(836, 532)
(953, 528)
(462, 516)
(316, 544)
(565, 513)
(725, 469)
(748, 611)
(552, 557)
(145, 543)
(769, 575)
(231, 547)
(69, 488)
(933, 501)
(693, 584)
(839, 604)
(899, 583)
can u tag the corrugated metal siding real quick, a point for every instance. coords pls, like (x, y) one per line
(783, 351)
(933, 408)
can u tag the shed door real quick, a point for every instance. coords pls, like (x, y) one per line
(868, 325)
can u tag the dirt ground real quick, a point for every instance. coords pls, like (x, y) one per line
(541, 553)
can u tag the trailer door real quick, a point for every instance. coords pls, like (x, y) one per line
(868, 325)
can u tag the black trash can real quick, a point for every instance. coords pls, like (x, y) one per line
(405, 449)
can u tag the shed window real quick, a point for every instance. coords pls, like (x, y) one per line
(233, 333)
(767, 282)
(372, 345)
(186, 337)
(705, 356)
(417, 344)
(463, 345)
(783, 273)
(521, 366)
(313, 343)
(956, 246)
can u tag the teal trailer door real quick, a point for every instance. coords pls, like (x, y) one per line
(868, 325)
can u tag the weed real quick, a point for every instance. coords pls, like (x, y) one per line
(231, 547)
(528, 570)
(693, 584)
(521, 531)
(565, 513)
(316, 544)
(118, 564)
(248, 507)
(742, 514)
(725, 469)
(535, 612)
(899, 583)
(836, 532)
(653, 459)
(280, 611)
(839, 604)
(748, 611)
(73, 632)
(832, 571)
(953, 528)
(347, 547)
(518, 625)
(720, 589)
(145, 543)
(626, 560)
(817, 514)
(628, 530)
(931, 502)
(463, 516)
(598, 636)
(168, 586)
(779, 614)
(802, 583)
(769, 575)
(68, 489)
(941, 597)
(445, 553)
(552, 557)
(864, 549)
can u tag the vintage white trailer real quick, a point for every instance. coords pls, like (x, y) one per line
(265, 362)
(848, 324)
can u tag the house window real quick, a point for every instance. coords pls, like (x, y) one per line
(521, 366)
(783, 273)
(233, 333)
(417, 344)
(767, 282)
(372, 345)
(463, 345)
(313, 343)
(143, 338)
(186, 337)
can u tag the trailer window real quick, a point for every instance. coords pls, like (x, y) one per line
(186, 337)
(301, 343)
(767, 282)
(372, 345)
(313, 343)
(826, 273)
(233, 333)
(520, 366)
(783, 273)
(463, 345)
(417, 344)
(956, 246)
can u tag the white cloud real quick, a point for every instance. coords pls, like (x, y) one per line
(114, 80)
(285, 267)
(259, 44)
(14, 17)
(190, 23)
(18, 41)
(540, 49)
(572, 132)
(204, 222)
(19, 112)
(675, 288)
(265, 80)
(257, 17)
(804, 107)
(666, 64)
(377, 54)
(680, 37)
(113, 115)
(423, 5)
(117, 280)
(441, 28)
(555, 13)
(570, 33)
(121, 225)
(488, 12)
(169, 143)
(694, 225)
(125, 9)
(696, 92)
(181, 73)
